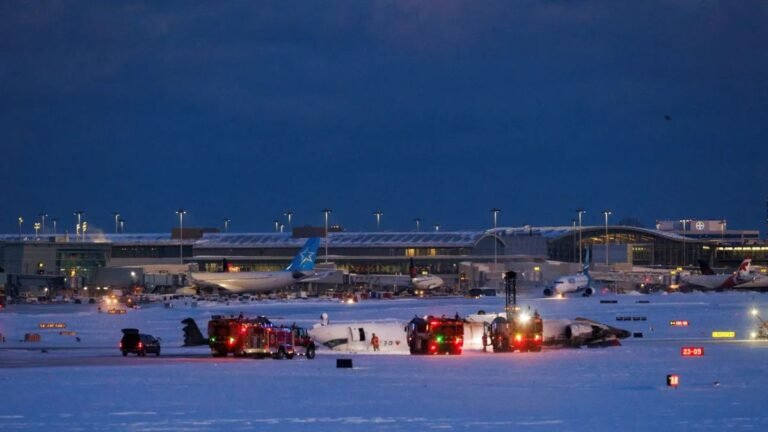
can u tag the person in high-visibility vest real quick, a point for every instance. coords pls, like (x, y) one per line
(375, 342)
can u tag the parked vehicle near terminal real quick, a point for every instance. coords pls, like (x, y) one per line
(137, 343)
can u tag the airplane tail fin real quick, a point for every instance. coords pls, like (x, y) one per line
(192, 334)
(705, 269)
(305, 259)
(745, 265)
(412, 269)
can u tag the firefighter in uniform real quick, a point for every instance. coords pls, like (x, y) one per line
(375, 342)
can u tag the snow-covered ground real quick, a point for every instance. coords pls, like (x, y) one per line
(88, 385)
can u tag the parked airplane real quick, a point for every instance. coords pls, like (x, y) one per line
(709, 280)
(580, 282)
(301, 269)
(412, 283)
(424, 282)
(354, 337)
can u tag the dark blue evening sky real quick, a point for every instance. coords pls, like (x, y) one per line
(437, 109)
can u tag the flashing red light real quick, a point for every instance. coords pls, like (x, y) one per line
(692, 351)
(140, 345)
(432, 347)
(243, 329)
(459, 340)
(121, 345)
(518, 337)
(231, 341)
(537, 338)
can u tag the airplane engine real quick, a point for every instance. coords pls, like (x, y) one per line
(589, 291)
(548, 292)
(298, 275)
(577, 331)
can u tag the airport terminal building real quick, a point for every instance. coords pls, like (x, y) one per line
(464, 258)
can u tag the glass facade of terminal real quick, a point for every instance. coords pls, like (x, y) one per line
(647, 247)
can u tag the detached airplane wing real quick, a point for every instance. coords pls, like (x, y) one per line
(585, 332)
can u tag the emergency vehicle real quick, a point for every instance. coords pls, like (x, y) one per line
(520, 330)
(257, 337)
(761, 332)
(433, 335)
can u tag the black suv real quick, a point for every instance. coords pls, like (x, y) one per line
(140, 344)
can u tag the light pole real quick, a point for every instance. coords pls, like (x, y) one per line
(573, 222)
(378, 214)
(326, 211)
(495, 212)
(181, 212)
(437, 227)
(606, 213)
(43, 215)
(580, 212)
(289, 214)
(722, 230)
(122, 225)
(21, 221)
(277, 225)
(226, 224)
(117, 219)
(79, 214)
(37, 228)
(54, 221)
(684, 221)
(418, 224)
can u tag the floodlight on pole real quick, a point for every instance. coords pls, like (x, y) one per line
(580, 212)
(326, 211)
(289, 214)
(116, 215)
(495, 212)
(418, 224)
(684, 222)
(181, 212)
(79, 214)
(606, 213)
(226, 224)
(378, 214)
(43, 215)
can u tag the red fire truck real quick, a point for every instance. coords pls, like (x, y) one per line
(433, 335)
(257, 337)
